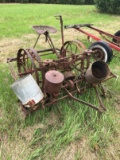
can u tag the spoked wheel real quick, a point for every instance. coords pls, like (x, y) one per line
(28, 63)
(70, 48)
(102, 51)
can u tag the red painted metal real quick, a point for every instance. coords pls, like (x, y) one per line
(105, 33)
(98, 39)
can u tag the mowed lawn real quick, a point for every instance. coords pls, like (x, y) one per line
(70, 130)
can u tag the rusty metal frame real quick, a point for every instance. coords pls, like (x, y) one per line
(73, 64)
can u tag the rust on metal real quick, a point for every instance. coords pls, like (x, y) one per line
(71, 71)
(97, 72)
(53, 82)
(44, 29)
(69, 75)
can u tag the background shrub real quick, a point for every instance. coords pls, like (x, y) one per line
(108, 6)
(50, 1)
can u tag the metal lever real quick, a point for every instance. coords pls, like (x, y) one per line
(59, 17)
(77, 26)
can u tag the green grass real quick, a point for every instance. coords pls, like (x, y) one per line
(69, 130)
(17, 20)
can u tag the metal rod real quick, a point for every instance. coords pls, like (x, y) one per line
(36, 41)
(54, 49)
(98, 39)
(81, 101)
(59, 17)
(62, 31)
(13, 73)
(100, 101)
(105, 33)
(54, 101)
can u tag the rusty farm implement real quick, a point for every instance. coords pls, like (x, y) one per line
(41, 82)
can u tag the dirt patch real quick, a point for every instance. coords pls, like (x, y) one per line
(72, 34)
(9, 47)
(113, 150)
(28, 132)
(19, 148)
(117, 103)
(77, 150)
(30, 36)
(116, 69)
(15, 150)
(1, 114)
(52, 119)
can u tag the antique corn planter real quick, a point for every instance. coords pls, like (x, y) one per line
(41, 82)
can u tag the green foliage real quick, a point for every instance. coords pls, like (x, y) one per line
(89, 1)
(50, 1)
(108, 6)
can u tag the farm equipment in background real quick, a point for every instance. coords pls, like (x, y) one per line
(69, 70)
(104, 51)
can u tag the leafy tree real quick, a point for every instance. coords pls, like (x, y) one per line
(50, 1)
(89, 1)
(108, 6)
